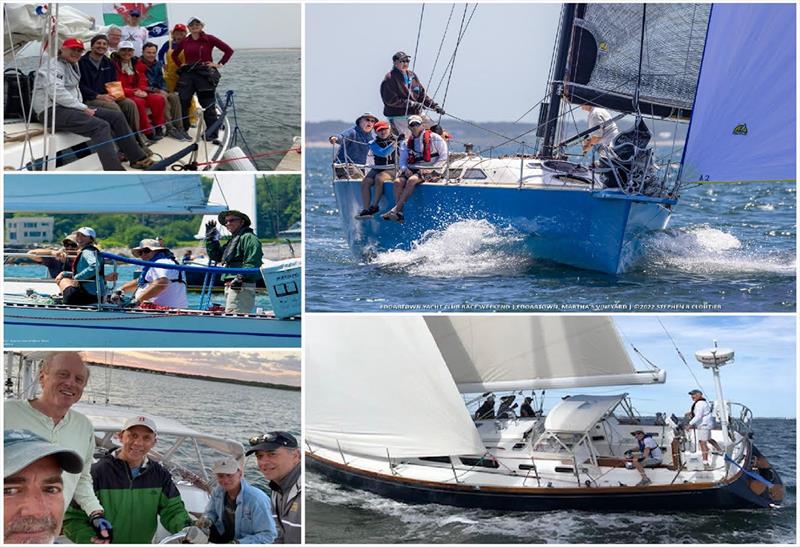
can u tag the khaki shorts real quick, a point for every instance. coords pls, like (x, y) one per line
(242, 300)
(703, 434)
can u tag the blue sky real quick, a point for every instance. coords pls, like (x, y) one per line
(763, 376)
(500, 71)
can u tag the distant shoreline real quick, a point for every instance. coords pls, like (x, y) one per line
(236, 381)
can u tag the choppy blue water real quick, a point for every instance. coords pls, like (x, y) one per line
(729, 248)
(335, 514)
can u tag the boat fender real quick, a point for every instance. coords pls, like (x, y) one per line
(238, 160)
(776, 493)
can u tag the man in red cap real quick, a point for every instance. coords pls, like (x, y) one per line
(388, 154)
(58, 81)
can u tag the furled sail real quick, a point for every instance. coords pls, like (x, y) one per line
(378, 386)
(745, 121)
(496, 353)
(235, 191)
(603, 64)
(24, 24)
(70, 194)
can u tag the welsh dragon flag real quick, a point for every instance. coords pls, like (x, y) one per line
(154, 17)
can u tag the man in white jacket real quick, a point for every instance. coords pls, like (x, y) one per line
(701, 419)
(58, 81)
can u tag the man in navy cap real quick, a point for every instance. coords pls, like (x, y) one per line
(33, 489)
(278, 457)
(403, 95)
(132, 32)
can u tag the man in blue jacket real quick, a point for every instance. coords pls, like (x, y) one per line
(237, 511)
(354, 146)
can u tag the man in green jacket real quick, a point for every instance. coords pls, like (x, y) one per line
(243, 250)
(134, 490)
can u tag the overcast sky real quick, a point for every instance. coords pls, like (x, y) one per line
(275, 366)
(501, 67)
(239, 25)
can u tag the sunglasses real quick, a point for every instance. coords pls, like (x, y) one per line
(415, 124)
(269, 438)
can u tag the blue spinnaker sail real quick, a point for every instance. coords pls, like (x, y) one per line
(743, 126)
(109, 193)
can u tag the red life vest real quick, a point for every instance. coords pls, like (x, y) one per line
(426, 147)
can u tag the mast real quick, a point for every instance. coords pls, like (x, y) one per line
(557, 83)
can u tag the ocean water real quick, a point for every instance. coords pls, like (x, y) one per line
(335, 514)
(728, 248)
(235, 412)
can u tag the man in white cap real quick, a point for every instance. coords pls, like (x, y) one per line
(238, 512)
(701, 419)
(159, 286)
(63, 376)
(33, 486)
(137, 491)
(278, 457)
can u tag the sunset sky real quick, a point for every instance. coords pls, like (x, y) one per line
(275, 366)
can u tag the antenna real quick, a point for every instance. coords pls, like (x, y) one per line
(714, 358)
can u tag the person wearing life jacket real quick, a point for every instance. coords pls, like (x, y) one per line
(648, 455)
(85, 283)
(701, 419)
(403, 95)
(160, 286)
(390, 160)
(426, 149)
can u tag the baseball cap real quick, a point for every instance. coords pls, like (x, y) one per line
(634, 433)
(179, 26)
(414, 120)
(71, 43)
(125, 45)
(22, 447)
(695, 392)
(401, 55)
(89, 232)
(383, 124)
(226, 465)
(271, 441)
(149, 423)
(193, 19)
(135, 13)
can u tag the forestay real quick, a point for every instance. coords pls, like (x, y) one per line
(70, 194)
(744, 124)
(379, 387)
(534, 352)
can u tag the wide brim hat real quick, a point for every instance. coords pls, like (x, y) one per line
(71, 238)
(368, 115)
(241, 215)
(151, 244)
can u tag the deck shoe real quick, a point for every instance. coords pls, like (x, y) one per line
(363, 214)
(389, 215)
(143, 163)
(644, 482)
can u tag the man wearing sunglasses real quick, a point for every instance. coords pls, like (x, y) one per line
(278, 457)
(243, 250)
(403, 95)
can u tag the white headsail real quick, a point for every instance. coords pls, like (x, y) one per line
(233, 191)
(496, 353)
(380, 387)
(24, 24)
(73, 194)
(744, 122)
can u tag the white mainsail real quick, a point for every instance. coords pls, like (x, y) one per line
(234, 191)
(497, 353)
(377, 386)
(24, 25)
(74, 194)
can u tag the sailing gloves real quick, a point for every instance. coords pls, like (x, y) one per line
(195, 534)
(438, 109)
(212, 234)
(101, 526)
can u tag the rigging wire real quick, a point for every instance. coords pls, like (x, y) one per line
(461, 34)
(675, 345)
(414, 63)
(441, 44)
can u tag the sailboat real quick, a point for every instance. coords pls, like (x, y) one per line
(399, 427)
(35, 146)
(33, 317)
(723, 75)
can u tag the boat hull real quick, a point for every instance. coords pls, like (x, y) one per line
(29, 326)
(735, 494)
(593, 230)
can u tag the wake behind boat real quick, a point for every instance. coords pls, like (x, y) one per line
(403, 431)
(661, 67)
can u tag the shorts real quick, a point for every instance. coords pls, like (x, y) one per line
(77, 296)
(703, 434)
(649, 462)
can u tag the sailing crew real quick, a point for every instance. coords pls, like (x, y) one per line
(507, 406)
(278, 457)
(97, 72)
(238, 512)
(486, 410)
(132, 32)
(63, 377)
(403, 96)
(701, 419)
(154, 72)
(132, 74)
(58, 81)
(33, 486)
(390, 160)
(603, 135)
(198, 73)
(56, 260)
(526, 410)
(425, 150)
(84, 284)
(648, 455)
(159, 286)
(137, 491)
(354, 146)
(243, 250)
